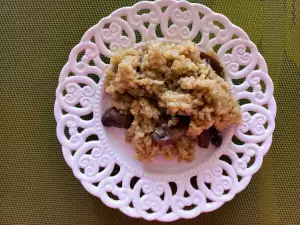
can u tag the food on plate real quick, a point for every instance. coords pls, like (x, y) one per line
(169, 97)
(211, 135)
(112, 118)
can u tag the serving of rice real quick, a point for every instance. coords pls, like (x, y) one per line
(160, 82)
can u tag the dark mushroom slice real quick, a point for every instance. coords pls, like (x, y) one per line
(217, 140)
(213, 130)
(128, 119)
(214, 63)
(216, 137)
(161, 136)
(112, 118)
(204, 139)
(165, 135)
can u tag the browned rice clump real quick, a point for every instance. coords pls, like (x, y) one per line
(160, 81)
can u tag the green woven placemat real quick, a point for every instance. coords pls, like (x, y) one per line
(37, 186)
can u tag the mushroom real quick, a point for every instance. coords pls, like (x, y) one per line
(112, 118)
(161, 136)
(165, 135)
(216, 137)
(204, 139)
(211, 135)
(214, 63)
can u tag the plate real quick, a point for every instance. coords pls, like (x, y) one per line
(162, 190)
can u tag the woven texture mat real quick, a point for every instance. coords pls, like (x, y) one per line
(37, 186)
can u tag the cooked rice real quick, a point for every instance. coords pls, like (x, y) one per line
(160, 81)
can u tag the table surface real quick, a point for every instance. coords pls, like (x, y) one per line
(37, 186)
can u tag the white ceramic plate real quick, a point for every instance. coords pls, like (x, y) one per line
(162, 190)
